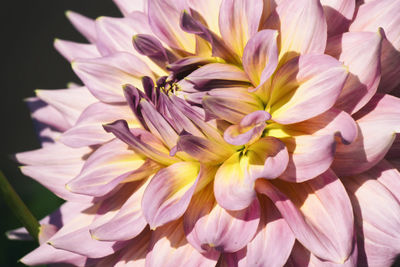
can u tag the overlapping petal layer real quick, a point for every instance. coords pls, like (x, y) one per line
(227, 132)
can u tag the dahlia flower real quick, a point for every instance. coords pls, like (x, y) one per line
(224, 132)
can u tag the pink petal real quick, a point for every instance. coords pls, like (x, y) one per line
(54, 154)
(77, 231)
(260, 67)
(301, 257)
(210, 228)
(248, 130)
(305, 87)
(127, 223)
(46, 254)
(89, 131)
(338, 14)
(319, 213)
(239, 21)
(128, 6)
(390, 70)
(105, 76)
(234, 180)
(134, 254)
(377, 215)
(217, 75)
(115, 34)
(108, 166)
(219, 48)
(209, 10)
(46, 115)
(69, 102)
(360, 52)
(169, 248)
(230, 104)
(164, 19)
(333, 121)
(389, 175)
(72, 50)
(141, 142)
(53, 166)
(309, 156)
(394, 149)
(375, 14)
(203, 150)
(303, 28)
(83, 24)
(378, 124)
(370, 17)
(168, 195)
(157, 124)
(272, 244)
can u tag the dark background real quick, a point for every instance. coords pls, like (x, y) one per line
(29, 62)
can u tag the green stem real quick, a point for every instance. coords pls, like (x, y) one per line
(18, 207)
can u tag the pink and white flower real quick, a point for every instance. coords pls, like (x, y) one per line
(224, 132)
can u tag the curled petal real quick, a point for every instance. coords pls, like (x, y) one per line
(234, 180)
(249, 130)
(319, 213)
(378, 124)
(209, 227)
(169, 248)
(305, 87)
(360, 52)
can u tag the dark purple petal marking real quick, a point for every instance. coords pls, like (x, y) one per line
(219, 49)
(141, 141)
(151, 47)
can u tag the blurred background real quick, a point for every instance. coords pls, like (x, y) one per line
(30, 62)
